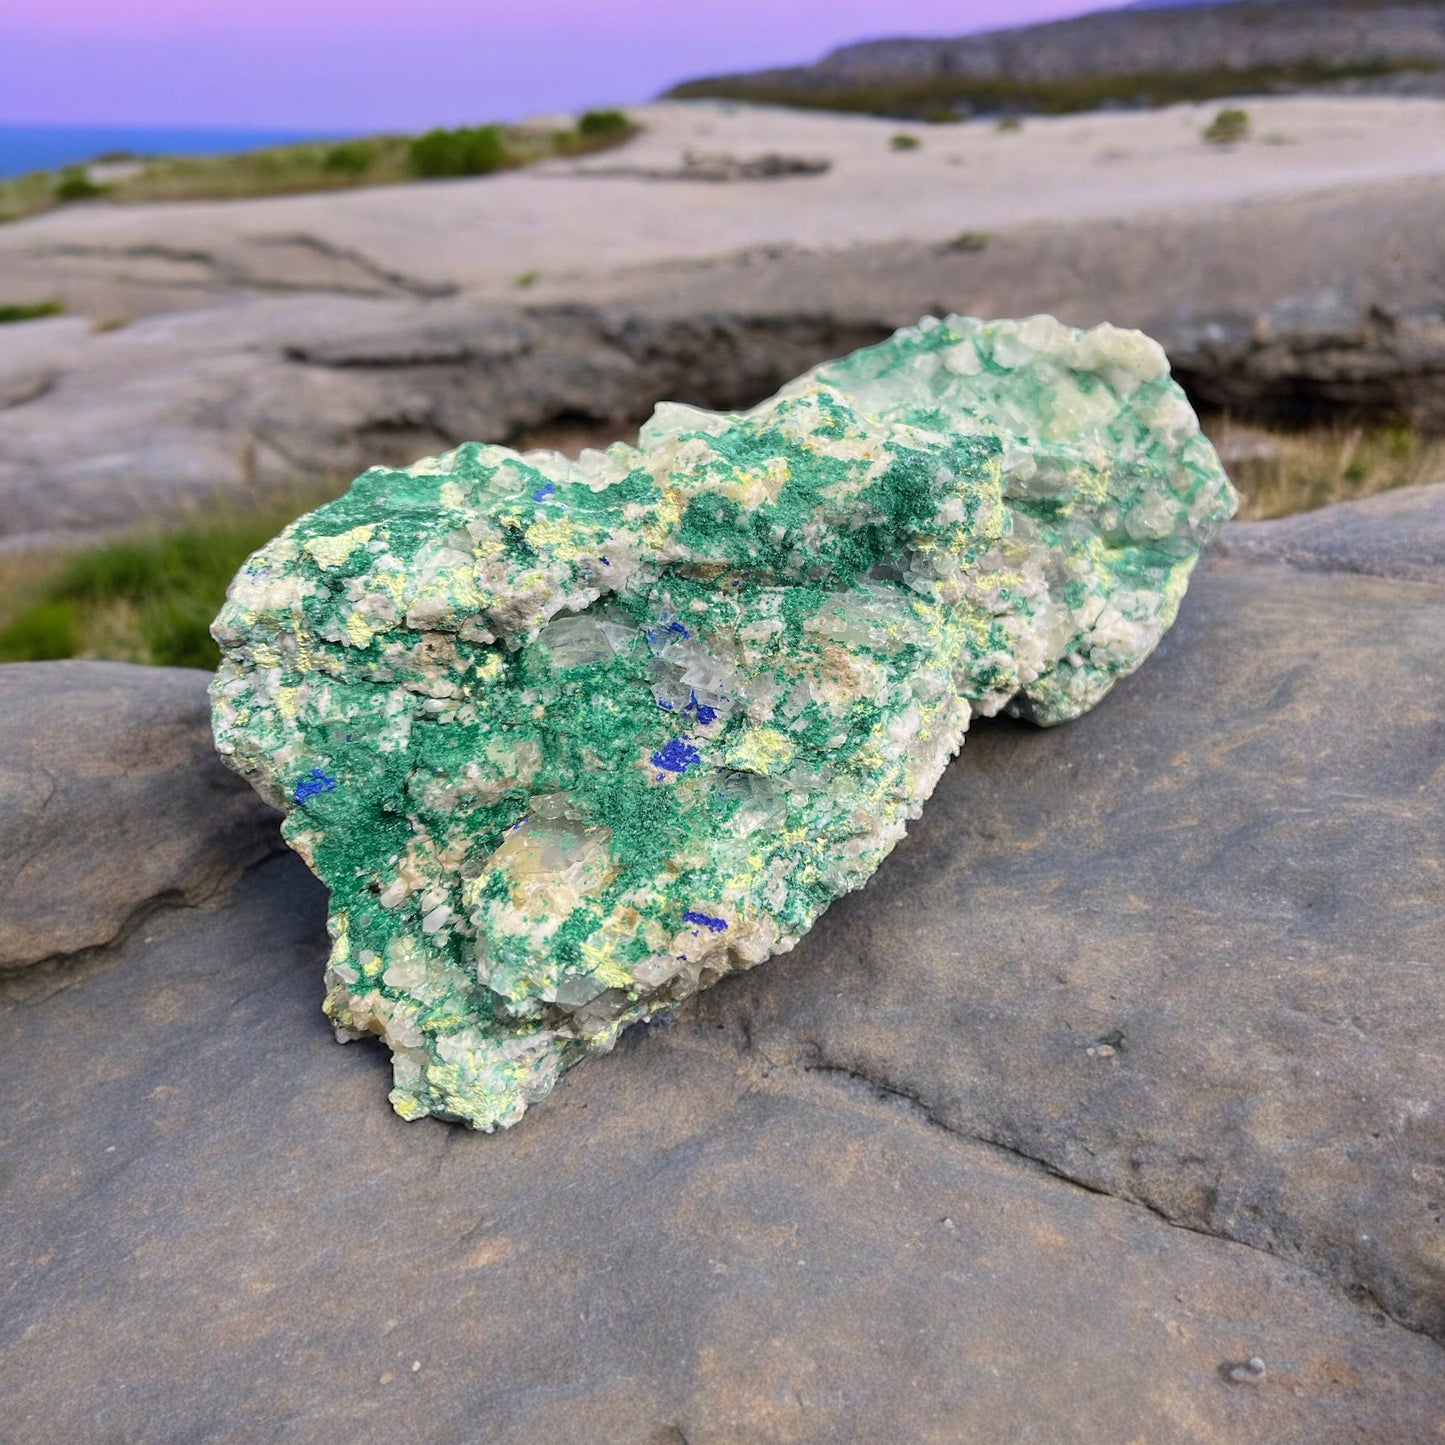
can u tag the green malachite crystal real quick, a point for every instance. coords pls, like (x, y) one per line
(569, 740)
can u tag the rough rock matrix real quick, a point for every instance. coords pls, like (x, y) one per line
(569, 741)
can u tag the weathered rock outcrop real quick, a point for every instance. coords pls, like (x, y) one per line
(101, 431)
(1327, 35)
(1171, 1107)
(1396, 534)
(1335, 349)
(111, 801)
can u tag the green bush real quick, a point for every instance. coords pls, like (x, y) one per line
(75, 185)
(30, 310)
(595, 123)
(350, 158)
(1227, 127)
(903, 142)
(469, 151)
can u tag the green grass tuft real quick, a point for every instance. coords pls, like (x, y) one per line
(1227, 127)
(42, 633)
(148, 598)
(967, 241)
(30, 311)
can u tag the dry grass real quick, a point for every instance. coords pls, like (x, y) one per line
(150, 596)
(1279, 473)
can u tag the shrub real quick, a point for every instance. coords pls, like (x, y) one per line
(903, 142)
(595, 123)
(1008, 123)
(967, 241)
(75, 185)
(350, 158)
(1227, 127)
(30, 310)
(468, 151)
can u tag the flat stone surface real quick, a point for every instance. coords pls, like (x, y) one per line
(1228, 883)
(804, 1211)
(111, 798)
(1289, 299)
(1397, 534)
(694, 1242)
(577, 221)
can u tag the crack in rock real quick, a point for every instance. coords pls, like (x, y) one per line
(881, 1087)
(344, 254)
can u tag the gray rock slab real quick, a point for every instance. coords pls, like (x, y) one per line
(1397, 534)
(217, 1231)
(1191, 949)
(111, 800)
(1137, 40)
(1121, 1074)
(1285, 305)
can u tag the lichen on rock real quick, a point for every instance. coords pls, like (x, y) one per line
(569, 741)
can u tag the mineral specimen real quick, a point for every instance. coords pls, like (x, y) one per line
(569, 741)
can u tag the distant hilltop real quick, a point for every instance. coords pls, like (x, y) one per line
(1151, 53)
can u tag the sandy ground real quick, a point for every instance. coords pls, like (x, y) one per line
(567, 224)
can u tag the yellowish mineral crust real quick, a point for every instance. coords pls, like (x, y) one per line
(569, 741)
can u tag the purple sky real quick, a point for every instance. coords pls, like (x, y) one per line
(372, 64)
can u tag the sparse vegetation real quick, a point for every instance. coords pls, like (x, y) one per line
(904, 142)
(151, 597)
(967, 241)
(469, 151)
(1279, 473)
(316, 166)
(528, 278)
(30, 311)
(957, 97)
(595, 124)
(1227, 127)
(145, 598)
(75, 185)
(351, 158)
(1007, 124)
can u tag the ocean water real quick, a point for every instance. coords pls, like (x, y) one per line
(44, 147)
